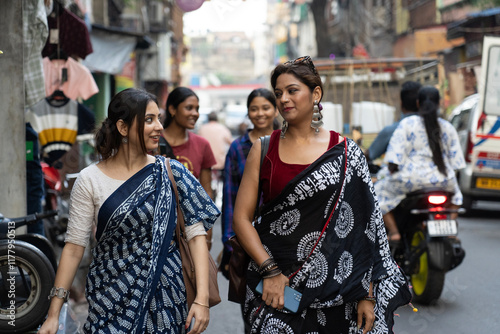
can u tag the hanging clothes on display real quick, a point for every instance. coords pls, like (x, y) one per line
(73, 78)
(35, 32)
(58, 120)
(67, 32)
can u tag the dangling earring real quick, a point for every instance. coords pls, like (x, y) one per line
(284, 127)
(316, 121)
(124, 140)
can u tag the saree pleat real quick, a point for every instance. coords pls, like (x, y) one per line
(332, 268)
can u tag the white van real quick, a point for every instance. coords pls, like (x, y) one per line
(477, 120)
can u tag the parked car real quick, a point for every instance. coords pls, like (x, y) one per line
(479, 135)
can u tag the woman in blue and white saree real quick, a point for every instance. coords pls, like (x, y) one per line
(135, 282)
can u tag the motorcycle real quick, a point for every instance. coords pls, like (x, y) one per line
(429, 246)
(27, 268)
(55, 227)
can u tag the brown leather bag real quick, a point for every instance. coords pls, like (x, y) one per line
(238, 264)
(188, 270)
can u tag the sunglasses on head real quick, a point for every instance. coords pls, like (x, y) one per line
(304, 59)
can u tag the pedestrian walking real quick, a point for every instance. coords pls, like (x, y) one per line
(320, 230)
(135, 282)
(189, 149)
(262, 112)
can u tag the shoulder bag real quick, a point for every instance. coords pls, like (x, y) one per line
(188, 270)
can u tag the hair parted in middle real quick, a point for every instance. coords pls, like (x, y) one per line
(176, 97)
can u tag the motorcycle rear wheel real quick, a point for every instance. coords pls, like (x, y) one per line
(34, 277)
(427, 282)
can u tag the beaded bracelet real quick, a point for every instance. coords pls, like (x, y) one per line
(267, 265)
(271, 273)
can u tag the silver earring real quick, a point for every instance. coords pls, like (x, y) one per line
(316, 121)
(284, 127)
(124, 140)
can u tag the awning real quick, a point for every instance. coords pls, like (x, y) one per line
(111, 51)
(455, 29)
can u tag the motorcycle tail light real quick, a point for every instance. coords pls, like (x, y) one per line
(436, 199)
(440, 216)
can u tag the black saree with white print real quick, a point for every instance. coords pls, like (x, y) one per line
(326, 233)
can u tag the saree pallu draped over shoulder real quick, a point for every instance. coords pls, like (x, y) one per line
(135, 282)
(331, 264)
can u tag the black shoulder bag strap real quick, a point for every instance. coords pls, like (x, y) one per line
(264, 147)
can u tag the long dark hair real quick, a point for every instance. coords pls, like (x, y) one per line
(176, 97)
(428, 99)
(128, 105)
(303, 69)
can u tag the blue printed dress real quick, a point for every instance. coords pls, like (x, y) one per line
(409, 149)
(135, 282)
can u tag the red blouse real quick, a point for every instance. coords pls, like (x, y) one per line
(276, 174)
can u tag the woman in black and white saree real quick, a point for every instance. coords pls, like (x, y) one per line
(320, 230)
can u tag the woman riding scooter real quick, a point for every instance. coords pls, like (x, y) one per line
(424, 151)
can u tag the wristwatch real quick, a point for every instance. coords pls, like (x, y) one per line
(59, 293)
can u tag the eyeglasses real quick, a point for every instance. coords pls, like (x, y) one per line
(304, 59)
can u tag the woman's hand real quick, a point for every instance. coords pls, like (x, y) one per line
(50, 326)
(273, 291)
(201, 315)
(365, 310)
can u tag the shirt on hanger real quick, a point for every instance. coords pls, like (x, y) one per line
(73, 38)
(35, 31)
(79, 83)
(57, 124)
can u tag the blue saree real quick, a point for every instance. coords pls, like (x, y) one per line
(135, 282)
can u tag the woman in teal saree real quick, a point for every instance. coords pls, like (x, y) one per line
(135, 282)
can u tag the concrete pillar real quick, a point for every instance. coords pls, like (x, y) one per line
(12, 124)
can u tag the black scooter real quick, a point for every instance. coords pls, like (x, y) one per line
(429, 245)
(27, 272)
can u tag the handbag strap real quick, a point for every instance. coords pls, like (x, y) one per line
(180, 217)
(264, 147)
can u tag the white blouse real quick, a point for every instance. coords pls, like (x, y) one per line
(90, 191)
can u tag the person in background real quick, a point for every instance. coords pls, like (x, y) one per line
(408, 95)
(424, 151)
(135, 282)
(219, 137)
(319, 230)
(192, 150)
(262, 112)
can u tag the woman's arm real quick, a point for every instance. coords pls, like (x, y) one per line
(68, 265)
(244, 209)
(199, 310)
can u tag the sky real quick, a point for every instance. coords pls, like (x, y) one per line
(227, 15)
